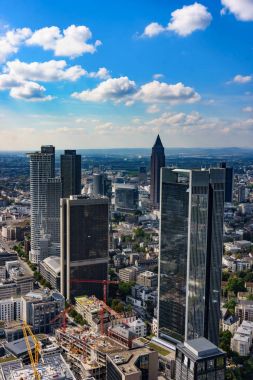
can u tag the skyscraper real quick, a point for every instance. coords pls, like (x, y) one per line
(101, 185)
(157, 162)
(229, 182)
(51, 224)
(84, 244)
(42, 167)
(70, 173)
(191, 245)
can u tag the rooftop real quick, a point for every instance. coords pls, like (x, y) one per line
(126, 360)
(50, 367)
(54, 263)
(200, 348)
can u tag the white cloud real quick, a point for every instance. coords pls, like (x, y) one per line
(242, 9)
(248, 109)
(124, 90)
(173, 119)
(7, 82)
(153, 109)
(30, 91)
(102, 73)
(71, 42)
(49, 71)
(11, 40)
(241, 79)
(161, 92)
(184, 21)
(190, 18)
(153, 29)
(114, 89)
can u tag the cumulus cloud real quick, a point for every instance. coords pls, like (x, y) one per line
(241, 79)
(124, 90)
(30, 91)
(49, 71)
(102, 73)
(71, 42)
(161, 92)
(153, 29)
(242, 9)
(184, 21)
(114, 89)
(11, 40)
(174, 119)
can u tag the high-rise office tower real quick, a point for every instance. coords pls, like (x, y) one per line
(101, 185)
(229, 182)
(191, 245)
(42, 167)
(84, 244)
(70, 173)
(126, 198)
(157, 162)
(51, 223)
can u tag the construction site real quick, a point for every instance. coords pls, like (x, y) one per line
(51, 366)
(86, 351)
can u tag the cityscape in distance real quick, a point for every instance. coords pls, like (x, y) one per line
(126, 190)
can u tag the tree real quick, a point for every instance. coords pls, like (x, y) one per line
(235, 285)
(225, 339)
(230, 305)
(125, 288)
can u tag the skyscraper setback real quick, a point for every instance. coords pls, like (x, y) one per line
(191, 244)
(42, 167)
(157, 162)
(70, 173)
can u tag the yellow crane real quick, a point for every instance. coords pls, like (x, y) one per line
(34, 360)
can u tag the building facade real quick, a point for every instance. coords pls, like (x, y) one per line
(199, 359)
(40, 309)
(126, 198)
(84, 245)
(70, 173)
(157, 162)
(191, 246)
(42, 167)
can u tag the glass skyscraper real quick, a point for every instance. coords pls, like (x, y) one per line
(70, 173)
(191, 242)
(84, 244)
(42, 168)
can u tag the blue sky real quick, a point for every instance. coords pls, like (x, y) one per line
(91, 74)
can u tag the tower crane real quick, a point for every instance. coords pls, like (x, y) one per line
(34, 360)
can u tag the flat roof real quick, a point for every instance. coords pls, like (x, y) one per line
(200, 348)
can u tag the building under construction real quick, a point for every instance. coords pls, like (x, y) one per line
(50, 367)
(86, 351)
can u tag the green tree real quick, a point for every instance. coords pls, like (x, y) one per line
(235, 285)
(125, 288)
(225, 339)
(230, 305)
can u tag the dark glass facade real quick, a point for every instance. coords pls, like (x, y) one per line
(191, 238)
(84, 244)
(157, 162)
(229, 182)
(70, 173)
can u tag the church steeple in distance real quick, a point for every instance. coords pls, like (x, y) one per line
(157, 162)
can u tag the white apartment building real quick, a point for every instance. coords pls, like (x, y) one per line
(138, 327)
(242, 340)
(10, 309)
